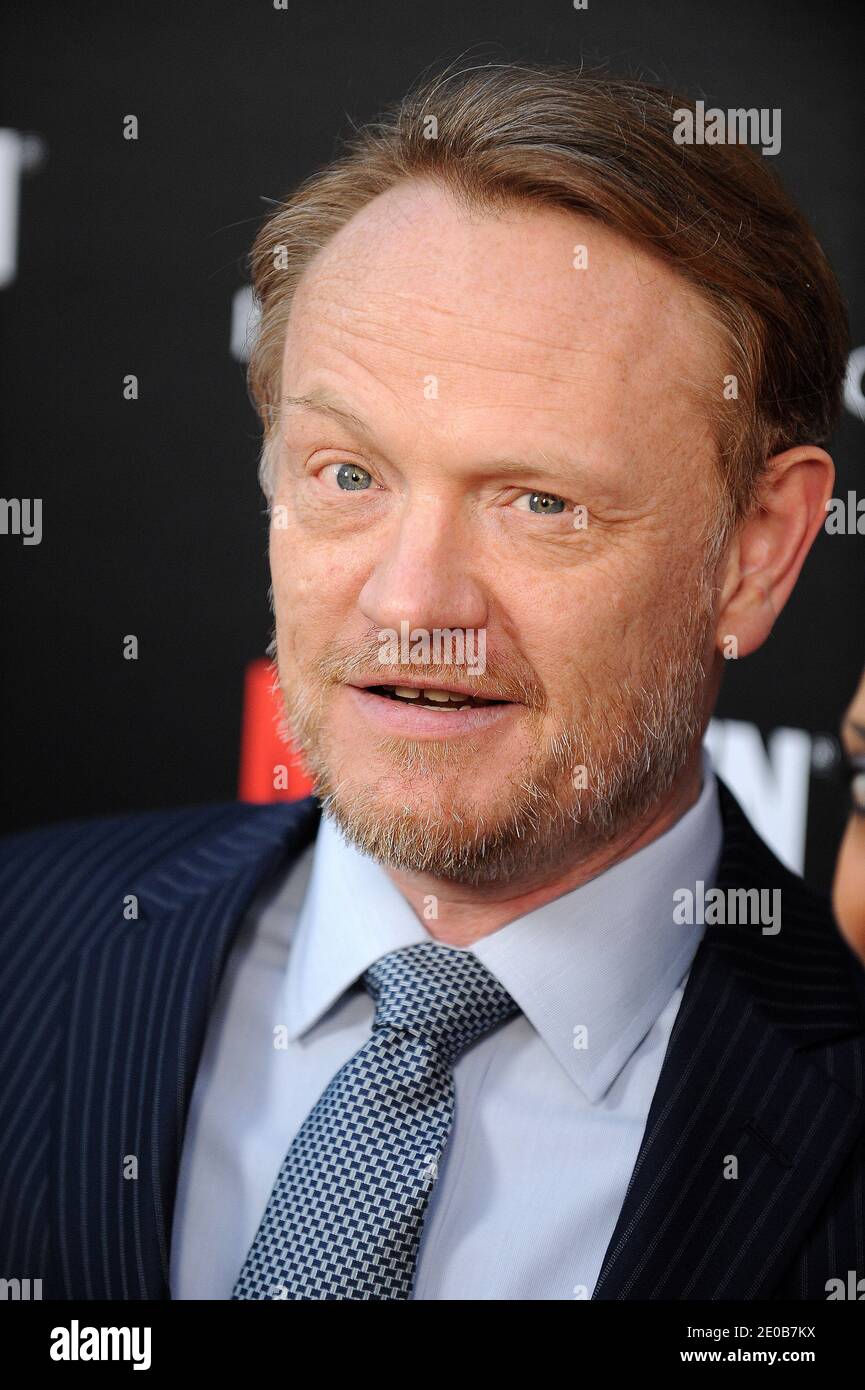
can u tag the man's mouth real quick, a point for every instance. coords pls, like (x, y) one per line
(428, 697)
(417, 709)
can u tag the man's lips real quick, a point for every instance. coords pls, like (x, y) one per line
(411, 719)
(464, 690)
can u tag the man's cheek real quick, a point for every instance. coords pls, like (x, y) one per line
(581, 646)
(297, 576)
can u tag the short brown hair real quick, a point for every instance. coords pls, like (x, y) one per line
(601, 146)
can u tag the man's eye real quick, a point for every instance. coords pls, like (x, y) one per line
(351, 477)
(541, 503)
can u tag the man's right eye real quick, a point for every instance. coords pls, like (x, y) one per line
(351, 477)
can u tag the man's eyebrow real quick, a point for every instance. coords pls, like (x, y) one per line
(325, 404)
(855, 726)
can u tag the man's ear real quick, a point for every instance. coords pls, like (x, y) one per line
(769, 549)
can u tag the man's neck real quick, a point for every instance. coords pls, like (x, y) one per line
(465, 914)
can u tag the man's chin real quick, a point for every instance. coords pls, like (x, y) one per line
(428, 789)
(418, 833)
(434, 770)
(442, 823)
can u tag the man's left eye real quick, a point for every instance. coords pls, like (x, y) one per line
(541, 503)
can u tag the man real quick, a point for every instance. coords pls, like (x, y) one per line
(544, 395)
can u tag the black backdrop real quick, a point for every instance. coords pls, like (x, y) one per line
(127, 257)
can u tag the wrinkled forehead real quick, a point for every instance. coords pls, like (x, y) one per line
(531, 305)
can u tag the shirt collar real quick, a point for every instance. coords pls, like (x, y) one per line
(604, 958)
(352, 915)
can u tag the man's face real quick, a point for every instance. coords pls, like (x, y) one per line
(532, 471)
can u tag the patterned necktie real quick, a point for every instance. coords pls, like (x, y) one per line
(345, 1215)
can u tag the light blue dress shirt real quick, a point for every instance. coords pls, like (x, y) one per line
(550, 1108)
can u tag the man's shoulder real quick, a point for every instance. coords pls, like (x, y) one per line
(150, 833)
(799, 938)
(745, 854)
(52, 868)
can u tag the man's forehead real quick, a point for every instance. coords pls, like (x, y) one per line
(418, 225)
(498, 312)
(416, 273)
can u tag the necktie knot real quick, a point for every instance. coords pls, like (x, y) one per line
(441, 994)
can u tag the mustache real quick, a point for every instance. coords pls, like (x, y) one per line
(344, 661)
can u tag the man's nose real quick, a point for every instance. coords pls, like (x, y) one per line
(426, 574)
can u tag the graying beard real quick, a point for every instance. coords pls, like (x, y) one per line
(660, 720)
(540, 831)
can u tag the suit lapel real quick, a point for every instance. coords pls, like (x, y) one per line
(137, 1016)
(755, 1109)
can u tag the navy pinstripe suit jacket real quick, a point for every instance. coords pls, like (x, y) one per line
(103, 1023)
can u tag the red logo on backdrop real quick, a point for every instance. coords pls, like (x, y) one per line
(270, 770)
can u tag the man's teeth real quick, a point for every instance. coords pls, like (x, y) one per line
(443, 698)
